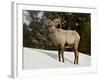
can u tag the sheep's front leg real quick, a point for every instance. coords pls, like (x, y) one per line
(62, 53)
(59, 54)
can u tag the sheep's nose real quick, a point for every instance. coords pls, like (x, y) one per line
(52, 29)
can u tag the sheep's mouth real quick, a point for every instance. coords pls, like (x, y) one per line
(52, 31)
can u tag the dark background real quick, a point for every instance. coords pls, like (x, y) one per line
(35, 34)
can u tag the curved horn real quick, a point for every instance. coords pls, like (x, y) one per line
(58, 21)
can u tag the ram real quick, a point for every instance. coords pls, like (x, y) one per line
(63, 38)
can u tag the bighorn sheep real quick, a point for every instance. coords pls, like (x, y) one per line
(63, 38)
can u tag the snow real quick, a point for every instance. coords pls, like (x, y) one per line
(26, 17)
(41, 59)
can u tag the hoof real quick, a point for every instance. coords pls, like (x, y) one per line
(75, 63)
(59, 60)
(63, 61)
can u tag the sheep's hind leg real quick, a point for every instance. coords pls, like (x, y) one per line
(76, 57)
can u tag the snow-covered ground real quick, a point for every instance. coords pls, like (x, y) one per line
(39, 59)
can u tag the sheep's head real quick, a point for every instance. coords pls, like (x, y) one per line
(52, 25)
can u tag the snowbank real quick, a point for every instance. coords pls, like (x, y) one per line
(39, 59)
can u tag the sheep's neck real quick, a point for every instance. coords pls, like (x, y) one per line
(54, 35)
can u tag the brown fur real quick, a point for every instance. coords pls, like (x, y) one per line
(63, 38)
